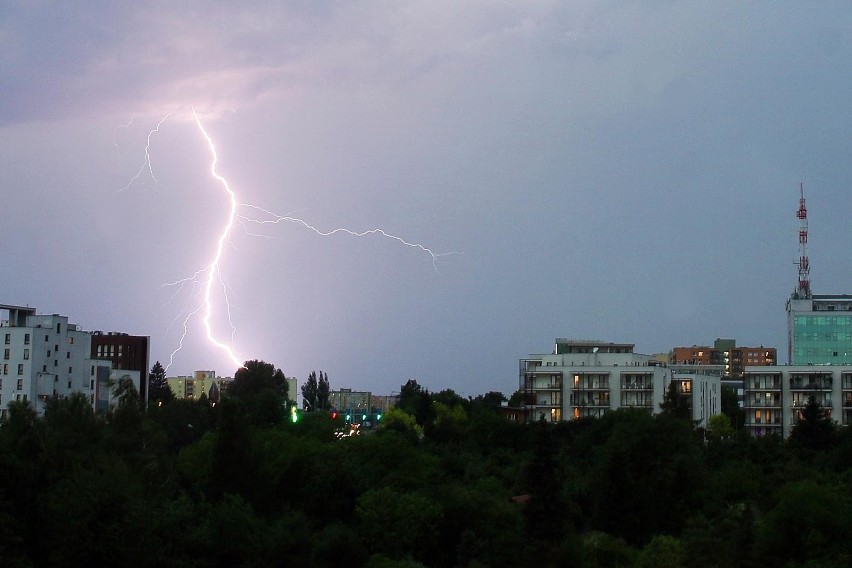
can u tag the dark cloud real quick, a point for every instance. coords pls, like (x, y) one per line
(626, 173)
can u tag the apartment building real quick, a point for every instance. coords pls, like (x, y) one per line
(46, 356)
(775, 396)
(583, 378)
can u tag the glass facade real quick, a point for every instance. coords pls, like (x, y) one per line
(822, 340)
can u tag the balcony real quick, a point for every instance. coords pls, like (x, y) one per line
(810, 383)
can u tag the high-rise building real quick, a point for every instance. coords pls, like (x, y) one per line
(819, 327)
(44, 356)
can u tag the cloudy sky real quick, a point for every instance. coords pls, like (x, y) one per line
(623, 172)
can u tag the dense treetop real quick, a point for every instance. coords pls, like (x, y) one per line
(444, 481)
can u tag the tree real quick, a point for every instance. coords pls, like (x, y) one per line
(316, 392)
(493, 399)
(673, 404)
(158, 386)
(730, 405)
(323, 392)
(814, 428)
(262, 389)
(719, 427)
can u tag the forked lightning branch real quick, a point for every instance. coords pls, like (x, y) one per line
(209, 293)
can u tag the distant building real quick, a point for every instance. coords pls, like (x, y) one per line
(351, 402)
(582, 378)
(198, 383)
(725, 353)
(45, 356)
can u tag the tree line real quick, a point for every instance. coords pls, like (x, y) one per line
(445, 481)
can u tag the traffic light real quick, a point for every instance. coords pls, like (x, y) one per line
(294, 415)
(334, 415)
(378, 417)
(363, 417)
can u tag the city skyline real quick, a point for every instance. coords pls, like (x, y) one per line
(628, 174)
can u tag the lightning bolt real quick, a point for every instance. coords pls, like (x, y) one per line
(147, 162)
(204, 281)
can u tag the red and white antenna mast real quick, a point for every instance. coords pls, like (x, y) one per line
(804, 288)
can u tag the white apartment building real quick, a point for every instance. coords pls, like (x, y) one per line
(583, 378)
(45, 356)
(774, 396)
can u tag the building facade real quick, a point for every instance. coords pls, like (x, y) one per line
(126, 353)
(198, 383)
(582, 378)
(44, 356)
(819, 329)
(725, 352)
(775, 396)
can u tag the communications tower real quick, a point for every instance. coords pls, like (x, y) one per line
(803, 290)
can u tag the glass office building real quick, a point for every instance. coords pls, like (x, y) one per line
(819, 330)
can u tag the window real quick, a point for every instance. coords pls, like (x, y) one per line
(6, 354)
(69, 370)
(48, 352)
(20, 368)
(44, 368)
(58, 328)
(20, 384)
(26, 339)
(69, 385)
(46, 338)
(70, 341)
(68, 355)
(93, 371)
(8, 338)
(26, 354)
(6, 368)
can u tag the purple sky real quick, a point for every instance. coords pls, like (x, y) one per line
(620, 173)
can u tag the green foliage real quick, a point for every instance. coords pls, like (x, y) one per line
(398, 420)
(398, 524)
(262, 391)
(158, 386)
(187, 484)
(315, 392)
(809, 523)
(814, 429)
(730, 406)
(719, 427)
